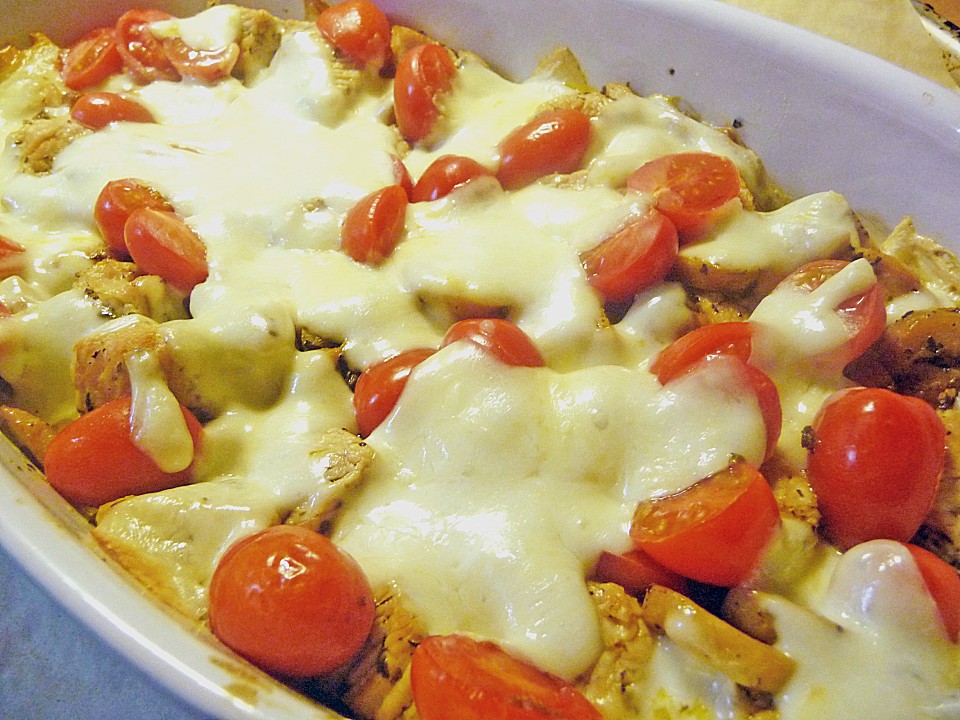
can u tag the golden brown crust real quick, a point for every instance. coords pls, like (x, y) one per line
(260, 35)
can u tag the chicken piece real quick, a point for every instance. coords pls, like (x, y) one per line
(260, 34)
(41, 139)
(795, 497)
(562, 65)
(30, 80)
(712, 309)
(935, 267)
(28, 432)
(121, 289)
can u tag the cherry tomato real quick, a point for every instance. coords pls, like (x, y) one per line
(94, 459)
(379, 386)
(12, 257)
(92, 59)
(359, 30)
(444, 174)
(553, 142)
(161, 243)
(142, 52)
(943, 582)
(453, 676)
(689, 187)
(714, 531)
(500, 338)
(864, 314)
(291, 602)
(207, 66)
(372, 228)
(423, 74)
(636, 256)
(729, 338)
(874, 463)
(116, 201)
(635, 571)
(96, 110)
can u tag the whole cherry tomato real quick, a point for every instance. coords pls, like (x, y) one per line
(446, 173)
(359, 30)
(372, 228)
(554, 142)
(500, 338)
(424, 73)
(96, 110)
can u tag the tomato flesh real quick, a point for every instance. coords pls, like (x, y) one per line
(142, 52)
(96, 110)
(379, 387)
(359, 30)
(291, 602)
(875, 464)
(500, 338)
(943, 582)
(92, 59)
(635, 571)
(714, 531)
(95, 460)
(161, 243)
(453, 676)
(635, 257)
(446, 173)
(116, 201)
(729, 338)
(373, 227)
(423, 74)
(553, 142)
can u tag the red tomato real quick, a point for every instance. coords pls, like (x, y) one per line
(92, 59)
(943, 583)
(402, 176)
(500, 338)
(444, 174)
(12, 258)
(96, 110)
(864, 314)
(161, 243)
(94, 459)
(291, 602)
(372, 228)
(553, 142)
(453, 676)
(423, 74)
(729, 338)
(359, 30)
(875, 464)
(379, 386)
(635, 571)
(636, 256)
(207, 66)
(116, 201)
(141, 50)
(689, 187)
(714, 531)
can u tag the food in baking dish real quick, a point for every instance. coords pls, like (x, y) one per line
(442, 393)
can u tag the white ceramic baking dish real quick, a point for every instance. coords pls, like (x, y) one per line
(821, 115)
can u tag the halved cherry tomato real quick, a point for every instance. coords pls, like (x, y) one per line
(142, 52)
(714, 531)
(689, 187)
(444, 174)
(423, 74)
(943, 582)
(729, 338)
(454, 676)
(359, 30)
(11, 257)
(379, 387)
(553, 142)
(500, 338)
(96, 110)
(635, 571)
(92, 59)
(207, 66)
(864, 314)
(116, 201)
(94, 459)
(372, 228)
(291, 602)
(636, 256)
(874, 463)
(161, 243)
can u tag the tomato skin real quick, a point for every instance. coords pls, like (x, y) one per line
(92, 59)
(161, 243)
(554, 142)
(96, 110)
(875, 464)
(207, 66)
(635, 257)
(943, 582)
(729, 338)
(714, 531)
(500, 338)
(359, 30)
(453, 676)
(94, 459)
(635, 571)
(291, 602)
(444, 174)
(689, 187)
(116, 201)
(372, 228)
(142, 52)
(379, 387)
(402, 176)
(423, 74)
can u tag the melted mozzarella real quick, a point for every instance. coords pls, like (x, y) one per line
(212, 29)
(156, 423)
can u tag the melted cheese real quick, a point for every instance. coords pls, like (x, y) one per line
(157, 424)
(213, 29)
